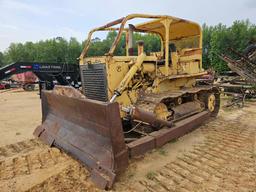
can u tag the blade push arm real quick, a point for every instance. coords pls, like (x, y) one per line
(124, 83)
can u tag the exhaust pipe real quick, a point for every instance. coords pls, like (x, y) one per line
(130, 39)
(140, 45)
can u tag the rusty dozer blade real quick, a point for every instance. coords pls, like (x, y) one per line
(89, 130)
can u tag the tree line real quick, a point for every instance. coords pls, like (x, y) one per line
(216, 40)
(220, 38)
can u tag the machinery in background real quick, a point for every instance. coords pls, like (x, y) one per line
(133, 103)
(4, 85)
(27, 80)
(241, 81)
(27, 74)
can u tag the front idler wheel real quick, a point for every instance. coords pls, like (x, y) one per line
(213, 103)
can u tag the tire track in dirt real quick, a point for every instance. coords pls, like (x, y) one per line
(40, 168)
(28, 163)
(73, 178)
(19, 148)
(225, 161)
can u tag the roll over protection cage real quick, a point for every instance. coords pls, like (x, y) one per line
(165, 20)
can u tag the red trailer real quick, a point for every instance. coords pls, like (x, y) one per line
(27, 80)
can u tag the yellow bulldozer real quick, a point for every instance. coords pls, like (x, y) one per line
(133, 103)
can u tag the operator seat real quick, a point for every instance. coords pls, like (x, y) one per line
(172, 49)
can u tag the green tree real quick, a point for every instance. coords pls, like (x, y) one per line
(74, 50)
(207, 34)
(16, 52)
(223, 38)
(219, 43)
(1, 59)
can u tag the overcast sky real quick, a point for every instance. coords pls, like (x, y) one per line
(33, 20)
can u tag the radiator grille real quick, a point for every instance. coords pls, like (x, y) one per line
(94, 81)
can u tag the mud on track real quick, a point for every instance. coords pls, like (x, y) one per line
(219, 156)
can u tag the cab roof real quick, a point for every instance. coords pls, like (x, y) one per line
(179, 28)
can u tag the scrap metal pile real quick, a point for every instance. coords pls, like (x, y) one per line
(241, 81)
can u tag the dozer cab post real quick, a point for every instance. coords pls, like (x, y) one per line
(132, 103)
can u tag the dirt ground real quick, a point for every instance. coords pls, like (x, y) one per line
(20, 113)
(219, 156)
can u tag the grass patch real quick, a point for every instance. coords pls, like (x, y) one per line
(130, 175)
(162, 152)
(150, 175)
(174, 140)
